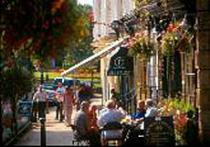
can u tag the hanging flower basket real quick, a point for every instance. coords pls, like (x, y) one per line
(175, 40)
(169, 42)
(142, 47)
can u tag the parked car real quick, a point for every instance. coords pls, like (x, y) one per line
(66, 81)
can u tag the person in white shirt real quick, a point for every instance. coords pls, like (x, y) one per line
(60, 98)
(41, 98)
(110, 114)
(151, 110)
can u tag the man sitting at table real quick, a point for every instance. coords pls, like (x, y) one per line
(140, 110)
(151, 110)
(110, 114)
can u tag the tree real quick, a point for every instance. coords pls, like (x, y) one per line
(81, 49)
(16, 81)
(35, 28)
(40, 27)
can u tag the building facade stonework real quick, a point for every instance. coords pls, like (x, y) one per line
(203, 68)
(105, 12)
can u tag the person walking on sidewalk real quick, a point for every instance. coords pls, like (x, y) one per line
(41, 98)
(68, 104)
(60, 96)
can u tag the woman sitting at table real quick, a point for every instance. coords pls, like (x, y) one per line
(140, 110)
(93, 118)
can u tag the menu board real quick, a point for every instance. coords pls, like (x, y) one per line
(159, 131)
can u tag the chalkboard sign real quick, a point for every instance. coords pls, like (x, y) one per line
(159, 131)
(25, 108)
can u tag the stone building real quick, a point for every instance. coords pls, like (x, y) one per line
(105, 12)
(202, 65)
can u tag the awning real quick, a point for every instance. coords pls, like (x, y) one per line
(103, 52)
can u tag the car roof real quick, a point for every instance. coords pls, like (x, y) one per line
(66, 78)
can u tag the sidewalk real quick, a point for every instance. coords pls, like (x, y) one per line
(56, 132)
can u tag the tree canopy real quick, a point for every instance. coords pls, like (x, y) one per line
(81, 49)
(39, 27)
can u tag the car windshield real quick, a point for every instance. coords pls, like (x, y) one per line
(48, 87)
(66, 81)
(56, 81)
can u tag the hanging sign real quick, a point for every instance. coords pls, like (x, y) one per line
(120, 63)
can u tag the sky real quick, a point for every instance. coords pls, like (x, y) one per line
(90, 2)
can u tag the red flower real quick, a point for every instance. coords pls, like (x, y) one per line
(171, 27)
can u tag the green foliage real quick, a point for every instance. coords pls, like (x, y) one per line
(142, 47)
(16, 82)
(81, 49)
(42, 28)
(175, 104)
(169, 43)
(173, 41)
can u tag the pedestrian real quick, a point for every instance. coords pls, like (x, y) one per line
(7, 118)
(60, 96)
(82, 95)
(68, 104)
(113, 94)
(41, 98)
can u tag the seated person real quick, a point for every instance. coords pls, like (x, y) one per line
(140, 110)
(93, 118)
(81, 122)
(151, 110)
(110, 114)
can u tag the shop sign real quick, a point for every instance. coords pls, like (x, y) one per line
(120, 63)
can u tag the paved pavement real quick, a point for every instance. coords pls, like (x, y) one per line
(56, 132)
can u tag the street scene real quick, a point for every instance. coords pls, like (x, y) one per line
(105, 72)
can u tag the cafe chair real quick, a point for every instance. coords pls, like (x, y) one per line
(78, 139)
(112, 131)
